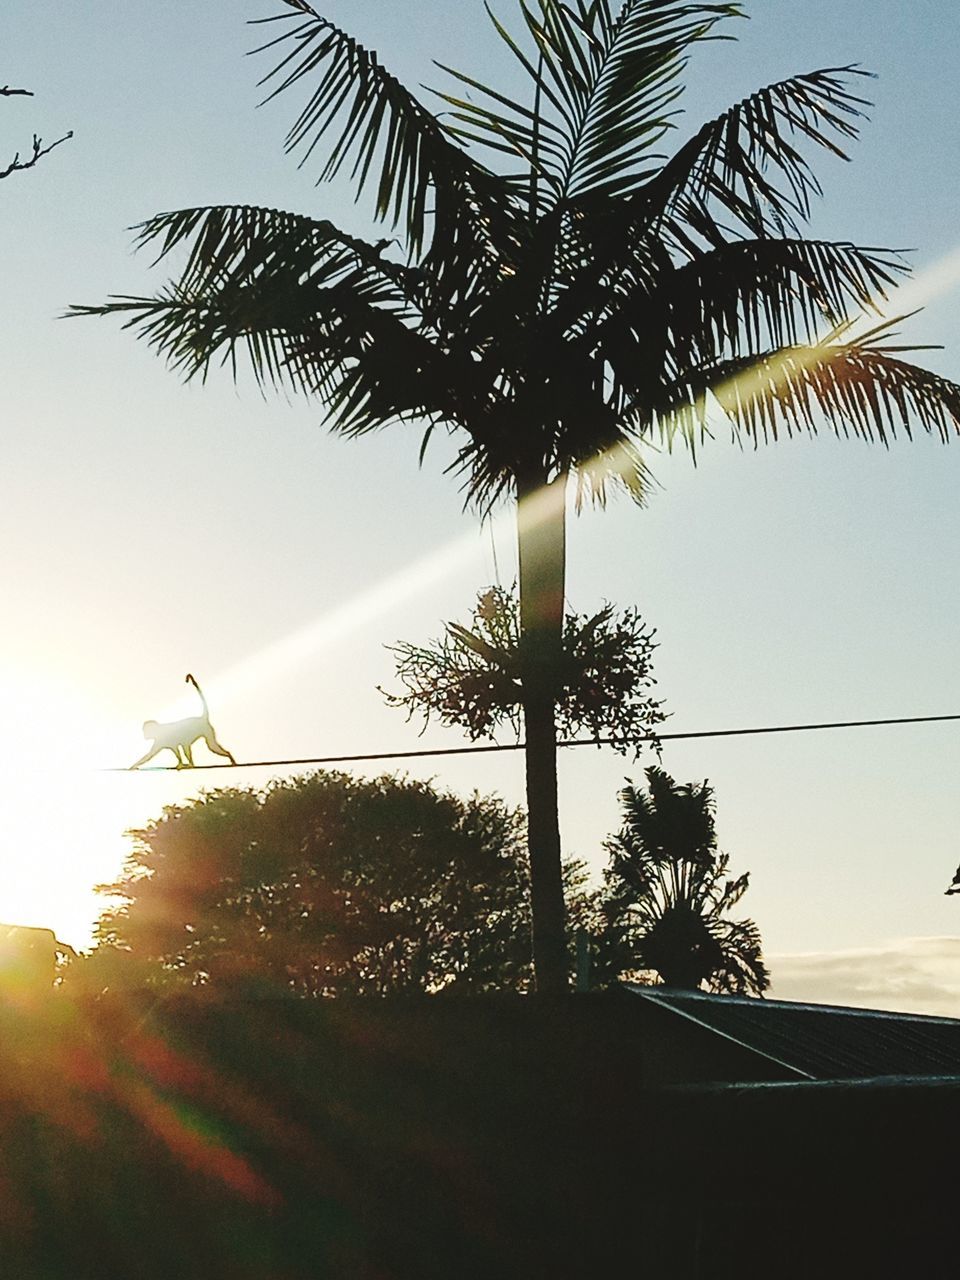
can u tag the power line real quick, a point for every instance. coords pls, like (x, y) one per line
(570, 742)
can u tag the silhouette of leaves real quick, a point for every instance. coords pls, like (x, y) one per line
(667, 894)
(323, 885)
(571, 305)
(470, 678)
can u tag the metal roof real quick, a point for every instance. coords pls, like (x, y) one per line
(822, 1042)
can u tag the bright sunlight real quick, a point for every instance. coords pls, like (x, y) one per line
(61, 824)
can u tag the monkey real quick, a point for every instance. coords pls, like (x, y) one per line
(179, 736)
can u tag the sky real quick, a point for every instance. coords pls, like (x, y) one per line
(149, 528)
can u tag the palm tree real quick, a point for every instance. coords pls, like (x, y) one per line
(565, 293)
(667, 895)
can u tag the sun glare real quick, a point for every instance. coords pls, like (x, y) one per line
(345, 619)
(939, 278)
(60, 826)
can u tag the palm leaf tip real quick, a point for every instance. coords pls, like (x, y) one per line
(857, 388)
(603, 86)
(381, 134)
(746, 161)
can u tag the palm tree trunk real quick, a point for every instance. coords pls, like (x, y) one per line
(541, 541)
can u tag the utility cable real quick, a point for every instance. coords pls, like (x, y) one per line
(519, 746)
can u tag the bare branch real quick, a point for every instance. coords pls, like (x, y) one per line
(37, 150)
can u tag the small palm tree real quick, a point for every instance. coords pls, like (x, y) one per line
(668, 896)
(564, 294)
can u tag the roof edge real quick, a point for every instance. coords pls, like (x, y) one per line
(796, 1071)
(659, 991)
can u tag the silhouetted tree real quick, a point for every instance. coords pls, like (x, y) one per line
(667, 895)
(566, 294)
(324, 885)
(471, 677)
(37, 149)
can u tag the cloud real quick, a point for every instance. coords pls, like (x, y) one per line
(910, 975)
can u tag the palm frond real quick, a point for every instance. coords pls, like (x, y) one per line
(620, 76)
(563, 342)
(733, 891)
(515, 130)
(720, 173)
(754, 295)
(189, 332)
(615, 461)
(859, 388)
(747, 297)
(744, 971)
(745, 162)
(307, 306)
(376, 123)
(602, 88)
(510, 127)
(330, 336)
(239, 243)
(372, 370)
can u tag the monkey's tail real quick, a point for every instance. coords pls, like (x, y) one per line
(189, 679)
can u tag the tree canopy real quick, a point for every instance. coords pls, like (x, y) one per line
(324, 885)
(572, 294)
(668, 897)
(471, 677)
